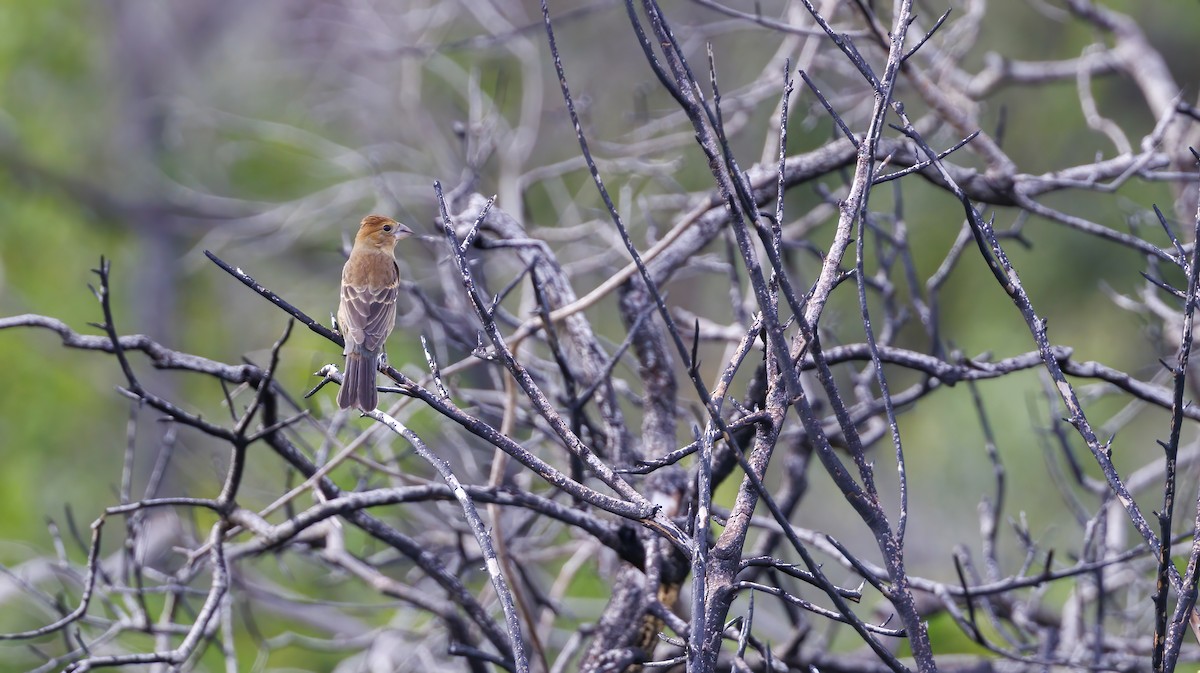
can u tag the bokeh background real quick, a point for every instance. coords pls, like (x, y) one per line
(147, 131)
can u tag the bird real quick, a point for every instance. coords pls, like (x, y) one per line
(367, 308)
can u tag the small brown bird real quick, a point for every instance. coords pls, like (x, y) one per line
(367, 311)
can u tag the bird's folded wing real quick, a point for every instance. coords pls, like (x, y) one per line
(369, 314)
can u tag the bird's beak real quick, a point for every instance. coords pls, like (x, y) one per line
(401, 231)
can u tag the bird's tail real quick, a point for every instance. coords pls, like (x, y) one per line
(358, 383)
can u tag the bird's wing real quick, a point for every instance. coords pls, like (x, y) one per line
(367, 314)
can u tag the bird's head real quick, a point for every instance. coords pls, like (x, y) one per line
(381, 232)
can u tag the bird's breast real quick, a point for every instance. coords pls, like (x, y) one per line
(370, 268)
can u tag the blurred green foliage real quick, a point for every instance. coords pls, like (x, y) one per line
(60, 403)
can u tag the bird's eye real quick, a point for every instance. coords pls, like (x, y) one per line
(387, 227)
